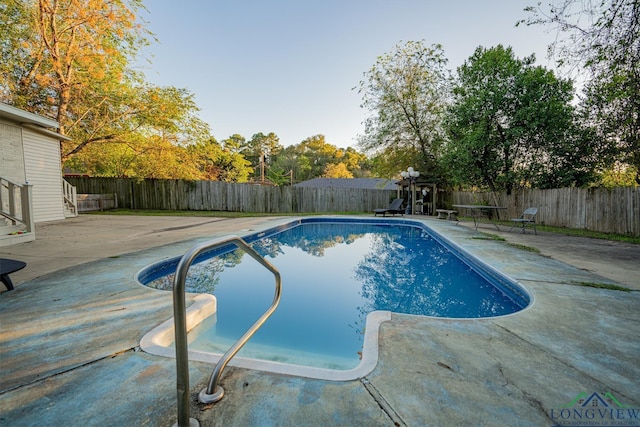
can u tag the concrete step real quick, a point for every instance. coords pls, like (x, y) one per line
(12, 237)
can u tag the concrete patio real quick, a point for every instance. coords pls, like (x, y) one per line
(70, 335)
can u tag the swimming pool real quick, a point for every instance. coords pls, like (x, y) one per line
(341, 278)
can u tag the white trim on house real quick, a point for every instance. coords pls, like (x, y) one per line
(21, 116)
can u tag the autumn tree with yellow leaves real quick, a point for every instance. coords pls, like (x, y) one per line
(70, 60)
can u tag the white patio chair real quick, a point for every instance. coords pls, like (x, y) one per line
(528, 217)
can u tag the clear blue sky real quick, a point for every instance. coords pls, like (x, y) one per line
(289, 67)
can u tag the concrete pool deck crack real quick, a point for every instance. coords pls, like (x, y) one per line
(536, 403)
(382, 402)
(552, 356)
(68, 369)
(532, 400)
(184, 227)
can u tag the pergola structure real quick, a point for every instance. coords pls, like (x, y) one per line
(423, 189)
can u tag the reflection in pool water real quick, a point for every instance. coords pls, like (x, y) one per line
(333, 275)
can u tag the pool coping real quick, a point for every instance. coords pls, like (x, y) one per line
(160, 342)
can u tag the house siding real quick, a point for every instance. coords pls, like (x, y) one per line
(43, 171)
(11, 154)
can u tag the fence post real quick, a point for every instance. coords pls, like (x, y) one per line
(26, 196)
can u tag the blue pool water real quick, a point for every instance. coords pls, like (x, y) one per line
(333, 274)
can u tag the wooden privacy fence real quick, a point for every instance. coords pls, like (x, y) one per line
(222, 196)
(614, 210)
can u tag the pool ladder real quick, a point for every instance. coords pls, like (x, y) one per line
(213, 392)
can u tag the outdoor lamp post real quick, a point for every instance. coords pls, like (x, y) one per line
(412, 175)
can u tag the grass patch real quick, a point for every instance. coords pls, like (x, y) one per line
(604, 286)
(592, 234)
(524, 247)
(581, 233)
(487, 236)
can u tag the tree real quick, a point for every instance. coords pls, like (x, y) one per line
(218, 163)
(277, 175)
(389, 162)
(336, 170)
(231, 167)
(236, 143)
(268, 145)
(260, 151)
(511, 124)
(288, 162)
(319, 154)
(355, 162)
(69, 46)
(147, 129)
(603, 38)
(69, 60)
(16, 61)
(143, 111)
(313, 158)
(407, 93)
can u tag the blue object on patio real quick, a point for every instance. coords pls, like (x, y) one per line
(393, 208)
(8, 266)
(527, 217)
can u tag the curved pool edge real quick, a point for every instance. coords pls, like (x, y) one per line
(514, 289)
(479, 265)
(160, 342)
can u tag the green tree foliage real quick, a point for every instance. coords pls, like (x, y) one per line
(603, 39)
(236, 143)
(15, 64)
(269, 145)
(145, 114)
(286, 165)
(319, 154)
(618, 176)
(313, 158)
(356, 163)
(218, 163)
(336, 170)
(145, 138)
(315, 155)
(67, 49)
(277, 175)
(260, 150)
(390, 161)
(511, 124)
(69, 60)
(406, 92)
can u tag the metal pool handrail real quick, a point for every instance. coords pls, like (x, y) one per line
(213, 392)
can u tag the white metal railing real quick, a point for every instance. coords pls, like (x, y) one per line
(213, 392)
(16, 204)
(70, 197)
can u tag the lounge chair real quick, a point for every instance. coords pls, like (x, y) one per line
(528, 217)
(393, 208)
